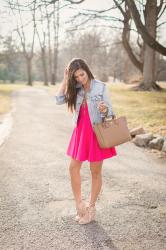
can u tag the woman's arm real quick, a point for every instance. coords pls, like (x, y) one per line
(60, 96)
(108, 111)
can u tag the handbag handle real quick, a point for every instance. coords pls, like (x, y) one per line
(108, 118)
(105, 118)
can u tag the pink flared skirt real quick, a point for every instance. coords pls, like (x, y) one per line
(83, 144)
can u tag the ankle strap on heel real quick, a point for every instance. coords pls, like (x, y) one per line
(91, 205)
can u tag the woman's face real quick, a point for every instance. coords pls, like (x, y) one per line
(81, 76)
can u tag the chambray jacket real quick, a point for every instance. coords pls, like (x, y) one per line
(98, 91)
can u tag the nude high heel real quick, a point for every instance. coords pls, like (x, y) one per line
(81, 210)
(89, 215)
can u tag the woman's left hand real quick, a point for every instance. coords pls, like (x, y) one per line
(102, 107)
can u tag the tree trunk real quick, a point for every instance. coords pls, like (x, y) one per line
(125, 39)
(29, 70)
(49, 44)
(44, 66)
(56, 41)
(149, 69)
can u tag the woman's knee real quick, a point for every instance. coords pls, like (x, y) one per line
(96, 169)
(75, 165)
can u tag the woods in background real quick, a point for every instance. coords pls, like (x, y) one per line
(124, 45)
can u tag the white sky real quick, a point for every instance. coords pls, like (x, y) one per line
(8, 20)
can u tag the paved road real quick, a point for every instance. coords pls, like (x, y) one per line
(36, 203)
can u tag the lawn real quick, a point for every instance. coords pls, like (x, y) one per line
(147, 109)
(5, 96)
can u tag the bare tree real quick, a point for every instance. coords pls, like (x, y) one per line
(56, 41)
(42, 42)
(28, 49)
(147, 65)
(126, 36)
(149, 69)
(32, 6)
(9, 57)
(142, 29)
(48, 20)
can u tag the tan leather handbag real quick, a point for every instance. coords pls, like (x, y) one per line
(112, 132)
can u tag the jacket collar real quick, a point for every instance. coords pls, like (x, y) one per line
(79, 85)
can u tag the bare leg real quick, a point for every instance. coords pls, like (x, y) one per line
(74, 169)
(96, 169)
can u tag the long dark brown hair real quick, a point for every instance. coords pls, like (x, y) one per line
(71, 93)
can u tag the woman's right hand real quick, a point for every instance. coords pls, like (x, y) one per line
(65, 80)
(65, 77)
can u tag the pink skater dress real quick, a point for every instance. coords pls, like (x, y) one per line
(83, 144)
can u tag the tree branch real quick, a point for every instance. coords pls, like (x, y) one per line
(70, 1)
(159, 7)
(126, 44)
(142, 29)
(161, 12)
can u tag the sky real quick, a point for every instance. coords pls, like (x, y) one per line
(8, 21)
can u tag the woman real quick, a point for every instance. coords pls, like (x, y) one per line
(87, 98)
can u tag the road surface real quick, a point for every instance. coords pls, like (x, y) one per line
(37, 208)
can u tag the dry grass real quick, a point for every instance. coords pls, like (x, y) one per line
(147, 109)
(5, 96)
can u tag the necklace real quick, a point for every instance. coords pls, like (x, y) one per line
(84, 99)
(84, 102)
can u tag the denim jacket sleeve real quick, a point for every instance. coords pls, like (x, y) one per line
(60, 99)
(107, 101)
